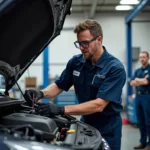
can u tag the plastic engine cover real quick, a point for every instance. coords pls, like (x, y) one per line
(38, 122)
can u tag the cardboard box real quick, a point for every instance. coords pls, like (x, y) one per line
(30, 82)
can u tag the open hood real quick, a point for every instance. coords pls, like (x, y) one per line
(26, 28)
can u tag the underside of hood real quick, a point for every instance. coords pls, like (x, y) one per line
(26, 28)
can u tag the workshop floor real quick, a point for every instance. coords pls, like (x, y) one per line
(130, 137)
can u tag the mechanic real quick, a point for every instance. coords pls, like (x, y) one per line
(141, 81)
(98, 79)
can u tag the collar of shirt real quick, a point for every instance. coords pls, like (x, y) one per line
(103, 59)
(101, 62)
(145, 67)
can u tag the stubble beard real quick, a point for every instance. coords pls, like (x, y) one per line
(87, 56)
(144, 63)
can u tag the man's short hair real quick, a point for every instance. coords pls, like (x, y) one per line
(91, 25)
(145, 53)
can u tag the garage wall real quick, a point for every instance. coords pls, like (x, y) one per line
(62, 48)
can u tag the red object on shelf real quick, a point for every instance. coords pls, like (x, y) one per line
(125, 121)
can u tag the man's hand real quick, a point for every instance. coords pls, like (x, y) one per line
(134, 83)
(33, 95)
(49, 109)
(146, 76)
(138, 81)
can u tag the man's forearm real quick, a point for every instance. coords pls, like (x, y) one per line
(134, 83)
(141, 81)
(86, 108)
(51, 91)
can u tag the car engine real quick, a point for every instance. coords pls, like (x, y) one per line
(20, 122)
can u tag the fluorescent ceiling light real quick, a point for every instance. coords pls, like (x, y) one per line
(129, 2)
(124, 7)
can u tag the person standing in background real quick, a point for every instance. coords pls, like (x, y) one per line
(141, 81)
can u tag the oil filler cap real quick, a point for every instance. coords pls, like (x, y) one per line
(71, 131)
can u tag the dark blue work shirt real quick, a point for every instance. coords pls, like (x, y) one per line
(103, 80)
(141, 73)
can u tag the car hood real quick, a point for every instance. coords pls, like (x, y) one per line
(26, 28)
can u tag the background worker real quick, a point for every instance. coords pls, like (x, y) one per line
(98, 79)
(141, 81)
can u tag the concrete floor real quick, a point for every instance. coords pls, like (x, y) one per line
(130, 137)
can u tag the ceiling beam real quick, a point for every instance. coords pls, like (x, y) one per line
(88, 5)
(93, 9)
(137, 10)
(107, 11)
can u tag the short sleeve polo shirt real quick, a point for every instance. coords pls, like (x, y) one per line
(103, 80)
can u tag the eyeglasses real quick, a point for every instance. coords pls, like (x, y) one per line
(84, 44)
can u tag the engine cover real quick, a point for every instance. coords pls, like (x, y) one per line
(38, 122)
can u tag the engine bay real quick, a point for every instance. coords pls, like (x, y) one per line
(19, 120)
